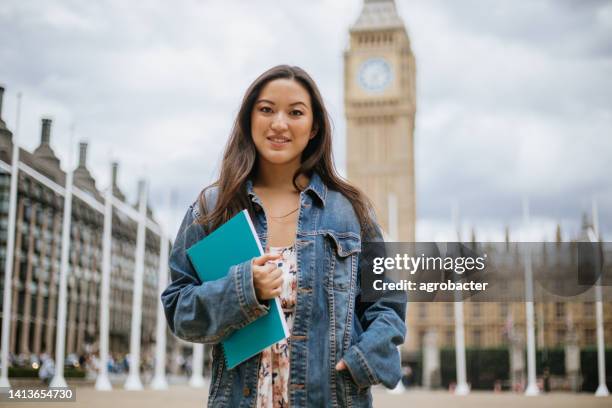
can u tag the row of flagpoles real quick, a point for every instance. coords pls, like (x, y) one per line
(133, 381)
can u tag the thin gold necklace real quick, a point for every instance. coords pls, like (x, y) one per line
(286, 215)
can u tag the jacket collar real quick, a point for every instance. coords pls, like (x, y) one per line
(315, 186)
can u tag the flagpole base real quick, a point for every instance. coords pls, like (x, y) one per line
(462, 389)
(197, 381)
(4, 382)
(602, 391)
(159, 383)
(103, 383)
(133, 383)
(58, 381)
(532, 390)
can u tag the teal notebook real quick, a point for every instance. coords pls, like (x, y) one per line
(232, 243)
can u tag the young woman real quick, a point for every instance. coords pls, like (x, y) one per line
(278, 165)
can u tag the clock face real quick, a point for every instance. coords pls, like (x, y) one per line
(375, 75)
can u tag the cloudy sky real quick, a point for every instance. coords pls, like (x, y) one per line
(514, 98)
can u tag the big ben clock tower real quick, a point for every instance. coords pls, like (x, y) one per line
(380, 104)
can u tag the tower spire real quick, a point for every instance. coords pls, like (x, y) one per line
(378, 14)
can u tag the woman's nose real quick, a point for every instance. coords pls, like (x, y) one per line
(279, 122)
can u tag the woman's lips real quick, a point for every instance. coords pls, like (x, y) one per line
(278, 141)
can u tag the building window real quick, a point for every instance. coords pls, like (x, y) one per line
(422, 310)
(476, 310)
(450, 338)
(503, 310)
(560, 337)
(477, 337)
(589, 337)
(588, 309)
(560, 310)
(421, 338)
(449, 310)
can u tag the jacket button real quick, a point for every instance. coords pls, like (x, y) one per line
(246, 391)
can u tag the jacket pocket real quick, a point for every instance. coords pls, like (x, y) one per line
(345, 248)
(354, 395)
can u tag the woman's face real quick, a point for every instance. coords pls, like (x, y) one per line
(281, 122)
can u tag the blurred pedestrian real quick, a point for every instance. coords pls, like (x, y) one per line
(46, 370)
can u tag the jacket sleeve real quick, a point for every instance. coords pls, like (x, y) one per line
(375, 358)
(206, 312)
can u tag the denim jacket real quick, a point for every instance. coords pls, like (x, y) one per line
(331, 322)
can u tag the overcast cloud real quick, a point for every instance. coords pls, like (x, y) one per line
(514, 98)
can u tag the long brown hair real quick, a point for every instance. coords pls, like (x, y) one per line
(240, 157)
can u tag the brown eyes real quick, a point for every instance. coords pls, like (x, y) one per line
(295, 112)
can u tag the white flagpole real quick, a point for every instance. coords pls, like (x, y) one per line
(159, 381)
(102, 382)
(197, 379)
(532, 387)
(462, 387)
(60, 338)
(10, 247)
(133, 382)
(602, 389)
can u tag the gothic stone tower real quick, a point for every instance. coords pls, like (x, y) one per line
(380, 104)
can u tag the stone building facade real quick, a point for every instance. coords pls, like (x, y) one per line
(37, 257)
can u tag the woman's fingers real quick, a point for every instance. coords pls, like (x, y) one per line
(275, 273)
(272, 282)
(277, 283)
(266, 273)
(261, 260)
(268, 280)
(267, 276)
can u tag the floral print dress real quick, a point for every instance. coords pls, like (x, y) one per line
(273, 383)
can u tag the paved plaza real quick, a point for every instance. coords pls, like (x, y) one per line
(183, 396)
